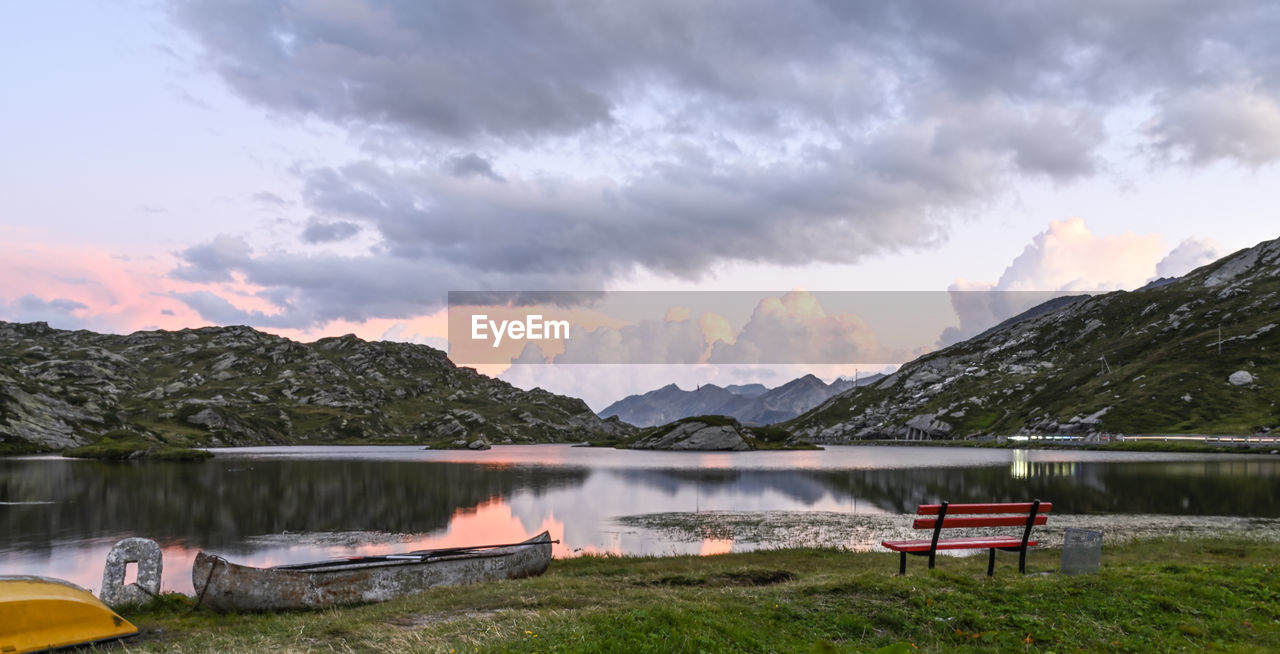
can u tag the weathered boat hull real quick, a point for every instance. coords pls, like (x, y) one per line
(225, 586)
(39, 613)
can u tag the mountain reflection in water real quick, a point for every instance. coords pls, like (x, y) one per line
(264, 506)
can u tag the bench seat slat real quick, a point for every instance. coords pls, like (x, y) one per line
(978, 542)
(978, 521)
(1010, 507)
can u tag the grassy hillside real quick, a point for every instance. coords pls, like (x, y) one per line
(1147, 361)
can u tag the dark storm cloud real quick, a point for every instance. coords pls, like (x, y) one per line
(679, 218)
(59, 312)
(786, 133)
(515, 69)
(319, 231)
(217, 309)
(213, 261)
(270, 199)
(31, 304)
(473, 164)
(306, 291)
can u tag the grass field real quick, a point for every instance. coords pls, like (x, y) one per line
(1150, 596)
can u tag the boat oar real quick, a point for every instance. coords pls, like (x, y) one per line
(449, 550)
(416, 555)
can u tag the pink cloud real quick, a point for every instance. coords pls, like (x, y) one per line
(86, 287)
(1069, 257)
(83, 287)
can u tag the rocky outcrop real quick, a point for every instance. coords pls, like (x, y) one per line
(695, 434)
(239, 386)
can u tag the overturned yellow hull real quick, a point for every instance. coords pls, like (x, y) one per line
(38, 613)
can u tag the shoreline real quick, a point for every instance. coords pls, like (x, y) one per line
(1148, 595)
(1171, 443)
(1140, 444)
(863, 532)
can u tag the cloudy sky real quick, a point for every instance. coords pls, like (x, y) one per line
(319, 167)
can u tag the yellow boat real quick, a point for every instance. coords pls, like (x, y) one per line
(39, 613)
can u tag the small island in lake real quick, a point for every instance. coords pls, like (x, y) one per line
(715, 434)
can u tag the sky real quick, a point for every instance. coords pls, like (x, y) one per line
(321, 167)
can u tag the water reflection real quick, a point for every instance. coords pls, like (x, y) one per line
(265, 506)
(1023, 467)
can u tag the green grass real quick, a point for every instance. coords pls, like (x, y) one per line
(19, 448)
(1203, 595)
(121, 445)
(774, 445)
(712, 420)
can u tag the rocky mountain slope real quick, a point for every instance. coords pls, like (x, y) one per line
(1146, 361)
(239, 386)
(752, 404)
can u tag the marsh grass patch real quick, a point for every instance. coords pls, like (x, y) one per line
(750, 577)
(416, 621)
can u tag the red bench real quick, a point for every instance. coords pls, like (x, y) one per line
(969, 516)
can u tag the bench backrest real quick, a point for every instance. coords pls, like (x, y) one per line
(1006, 514)
(1009, 514)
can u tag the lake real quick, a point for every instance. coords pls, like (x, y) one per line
(272, 505)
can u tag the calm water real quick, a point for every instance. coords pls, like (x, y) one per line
(264, 506)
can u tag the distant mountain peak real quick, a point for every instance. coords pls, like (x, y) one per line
(753, 404)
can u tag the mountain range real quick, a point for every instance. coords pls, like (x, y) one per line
(240, 386)
(1196, 354)
(750, 404)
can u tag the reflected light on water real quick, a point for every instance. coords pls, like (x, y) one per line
(488, 524)
(1023, 467)
(713, 546)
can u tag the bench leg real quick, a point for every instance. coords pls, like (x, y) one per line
(1022, 560)
(902, 564)
(991, 563)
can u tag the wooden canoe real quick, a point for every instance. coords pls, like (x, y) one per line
(40, 613)
(225, 586)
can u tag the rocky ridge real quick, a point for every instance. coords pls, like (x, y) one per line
(1198, 354)
(239, 386)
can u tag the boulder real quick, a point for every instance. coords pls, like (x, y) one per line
(469, 417)
(927, 426)
(207, 418)
(448, 428)
(1240, 378)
